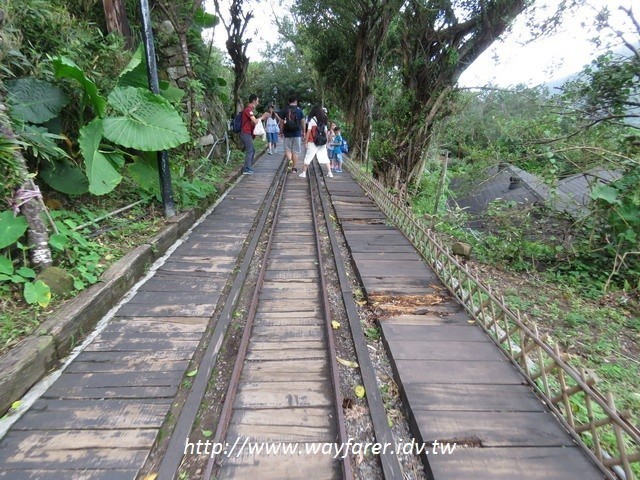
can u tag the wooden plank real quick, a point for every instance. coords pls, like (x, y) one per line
(91, 414)
(148, 310)
(141, 345)
(171, 325)
(437, 317)
(457, 351)
(283, 425)
(543, 463)
(97, 393)
(462, 332)
(457, 372)
(288, 354)
(286, 334)
(279, 467)
(132, 358)
(255, 346)
(163, 283)
(173, 298)
(469, 397)
(300, 275)
(300, 370)
(290, 320)
(125, 379)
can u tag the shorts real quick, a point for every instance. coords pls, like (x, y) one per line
(293, 144)
(314, 150)
(272, 137)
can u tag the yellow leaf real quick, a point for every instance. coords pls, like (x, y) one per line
(335, 325)
(471, 321)
(362, 303)
(347, 363)
(151, 476)
(15, 405)
(359, 391)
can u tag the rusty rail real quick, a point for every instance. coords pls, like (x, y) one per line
(608, 436)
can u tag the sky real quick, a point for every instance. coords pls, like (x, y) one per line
(509, 62)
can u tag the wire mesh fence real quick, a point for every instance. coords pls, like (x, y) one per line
(609, 436)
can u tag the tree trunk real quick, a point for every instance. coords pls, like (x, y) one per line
(117, 20)
(374, 26)
(32, 209)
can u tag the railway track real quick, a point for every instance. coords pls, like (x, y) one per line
(284, 392)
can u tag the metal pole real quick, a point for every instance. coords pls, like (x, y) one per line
(152, 74)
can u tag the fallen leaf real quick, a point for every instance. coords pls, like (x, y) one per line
(207, 433)
(192, 373)
(335, 325)
(347, 363)
(151, 476)
(359, 391)
(471, 321)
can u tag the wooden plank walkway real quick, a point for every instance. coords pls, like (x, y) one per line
(457, 385)
(100, 418)
(285, 391)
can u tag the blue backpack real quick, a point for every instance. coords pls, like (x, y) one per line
(237, 123)
(345, 146)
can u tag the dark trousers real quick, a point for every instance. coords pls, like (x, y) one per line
(247, 140)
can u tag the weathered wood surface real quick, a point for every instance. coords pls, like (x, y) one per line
(457, 385)
(285, 392)
(99, 419)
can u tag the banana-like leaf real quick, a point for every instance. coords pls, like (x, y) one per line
(135, 75)
(103, 176)
(65, 177)
(149, 122)
(66, 68)
(33, 100)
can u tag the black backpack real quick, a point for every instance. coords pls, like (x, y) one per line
(291, 123)
(321, 134)
(237, 123)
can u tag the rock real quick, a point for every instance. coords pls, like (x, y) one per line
(461, 249)
(206, 140)
(60, 281)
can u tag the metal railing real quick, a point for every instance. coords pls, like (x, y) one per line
(608, 436)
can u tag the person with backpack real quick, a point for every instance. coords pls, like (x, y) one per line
(248, 120)
(316, 140)
(292, 124)
(336, 146)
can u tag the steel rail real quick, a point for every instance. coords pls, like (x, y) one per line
(347, 471)
(174, 453)
(227, 407)
(390, 463)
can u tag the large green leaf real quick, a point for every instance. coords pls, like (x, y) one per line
(6, 266)
(34, 101)
(135, 75)
(145, 172)
(606, 193)
(37, 292)
(149, 123)
(202, 19)
(65, 177)
(66, 68)
(103, 176)
(11, 228)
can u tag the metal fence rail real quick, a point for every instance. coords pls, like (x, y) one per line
(607, 435)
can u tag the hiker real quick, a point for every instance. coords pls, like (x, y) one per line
(330, 137)
(273, 129)
(336, 146)
(249, 120)
(316, 140)
(292, 125)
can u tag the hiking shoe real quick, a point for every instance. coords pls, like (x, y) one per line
(247, 171)
(338, 170)
(330, 175)
(303, 175)
(295, 170)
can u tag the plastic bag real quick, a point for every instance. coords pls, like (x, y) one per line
(258, 130)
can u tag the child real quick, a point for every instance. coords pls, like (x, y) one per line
(336, 144)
